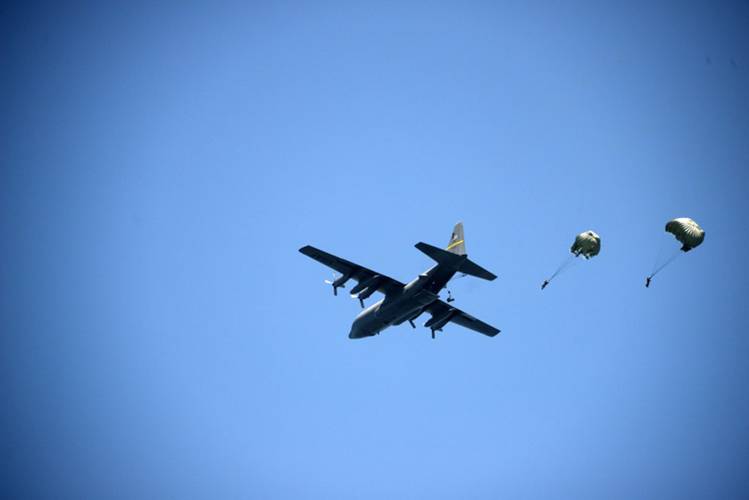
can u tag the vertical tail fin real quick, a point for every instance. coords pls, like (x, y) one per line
(457, 244)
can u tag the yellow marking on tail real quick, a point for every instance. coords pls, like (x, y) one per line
(455, 243)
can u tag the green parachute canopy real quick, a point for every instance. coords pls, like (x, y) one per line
(687, 231)
(587, 244)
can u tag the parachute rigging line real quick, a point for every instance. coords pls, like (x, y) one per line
(563, 266)
(673, 256)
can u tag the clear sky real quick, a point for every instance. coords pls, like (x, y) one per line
(161, 166)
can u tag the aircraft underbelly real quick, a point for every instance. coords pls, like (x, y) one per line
(379, 316)
(406, 305)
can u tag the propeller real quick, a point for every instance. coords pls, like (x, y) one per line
(337, 283)
(364, 290)
(329, 282)
(361, 300)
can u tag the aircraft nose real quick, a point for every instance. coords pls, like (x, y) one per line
(365, 324)
(356, 330)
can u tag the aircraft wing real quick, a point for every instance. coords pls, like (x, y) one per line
(368, 281)
(442, 313)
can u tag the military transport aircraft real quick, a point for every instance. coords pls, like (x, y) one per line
(406, 302)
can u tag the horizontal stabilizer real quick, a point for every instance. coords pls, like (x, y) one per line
(459, 263)
(441, 256)
(472, 269)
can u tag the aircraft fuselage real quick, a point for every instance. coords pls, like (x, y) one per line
(407, 306)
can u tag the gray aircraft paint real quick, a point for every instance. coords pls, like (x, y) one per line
(407, 302)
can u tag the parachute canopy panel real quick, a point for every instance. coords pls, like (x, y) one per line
(687, 231)
(587, 244)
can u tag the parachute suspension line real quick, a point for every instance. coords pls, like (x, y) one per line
(563, 265)
(664, 257)
(667, 262)
(662, 254)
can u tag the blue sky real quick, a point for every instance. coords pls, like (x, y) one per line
(163, 338)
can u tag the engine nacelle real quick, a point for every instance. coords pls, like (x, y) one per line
(371, 282)
(437, 322)
(364, 294)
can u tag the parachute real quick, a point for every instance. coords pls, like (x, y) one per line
(587, 244)
(688, 233)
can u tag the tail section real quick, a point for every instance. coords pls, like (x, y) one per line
(457, 244)
(455, 255)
